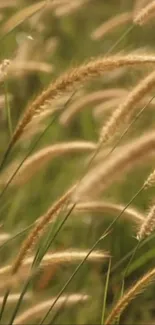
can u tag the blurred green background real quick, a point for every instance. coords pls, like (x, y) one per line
(63, 40)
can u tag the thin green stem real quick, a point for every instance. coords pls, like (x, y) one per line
(129, 254)
(30, 151)
(105, 293)
(72, 277)
(7, 106)
(126, 272)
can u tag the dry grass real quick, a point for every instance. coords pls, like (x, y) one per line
(104, 174)
(145, 14)
(39, 160)
(71, 109)
(67, 81)
(59, 258)
(38, 230)
(88, 99)
(130, 295)
(107, 207)
(127, 108)
(148, 225)
(110, 25)
(37, 310)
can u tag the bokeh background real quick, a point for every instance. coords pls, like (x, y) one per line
(58, 37)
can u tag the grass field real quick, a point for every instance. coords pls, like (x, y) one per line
(77, 115)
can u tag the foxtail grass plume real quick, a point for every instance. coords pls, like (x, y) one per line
(108, 105)
(145, 14)
(70, 79)
(59, 258)
(14, 297)
(37, 310)
(68, 8)
(39, 159)
(4, 237)
(139, 5)
(111, 24)
(8, 3)
(39, 229)
(110, 208)
(106, 171)
(129, 296)
(148, 225)
(18, 68)
(127, 108)
(100, 95)
(150, 180)
(4, 66)
(21, 16)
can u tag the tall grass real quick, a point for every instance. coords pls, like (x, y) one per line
(77, 162)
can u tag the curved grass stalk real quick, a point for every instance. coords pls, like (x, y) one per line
(131, 294)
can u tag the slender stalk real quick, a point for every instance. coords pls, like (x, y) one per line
(105, 293)
(126, 272)
(7, 105)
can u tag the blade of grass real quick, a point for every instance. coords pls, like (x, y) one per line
(141, 261)
(72, 277)
(23, 231)
(54, 236)
(122, 260)
(126, 273)
(4, 303)
(115, 220)
(108, 52)
(66, 284)
(108, 229)
(21, 297)
(57, 313)
(105, 293)
(91, 160)
(89, 163)
(41, 250)
(31, 149)
(128, 30)
(7, 105)
(132, 199)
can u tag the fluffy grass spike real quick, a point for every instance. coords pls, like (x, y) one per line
(131, 294)
(144, 15)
